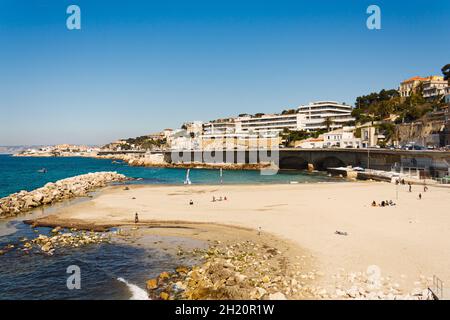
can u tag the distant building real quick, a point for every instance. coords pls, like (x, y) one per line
(310, 143)
(270, 123)
(194, 128)
(369, 136)
(322, 115)
(220, 126)
(341, 138)
(409, 85)
(433, 86)
(239, 141)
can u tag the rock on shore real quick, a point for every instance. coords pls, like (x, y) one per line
(243, 270)
(78, 186)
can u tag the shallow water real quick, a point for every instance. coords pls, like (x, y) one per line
(108, 271)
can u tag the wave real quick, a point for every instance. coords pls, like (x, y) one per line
(136, 292)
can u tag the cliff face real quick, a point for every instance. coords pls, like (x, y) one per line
(420, 132)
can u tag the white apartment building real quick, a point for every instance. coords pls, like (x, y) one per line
(323, 114)
(269, 124)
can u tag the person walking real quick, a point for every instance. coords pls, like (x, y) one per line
(136, 218)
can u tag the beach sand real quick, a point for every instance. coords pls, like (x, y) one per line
(408, 243)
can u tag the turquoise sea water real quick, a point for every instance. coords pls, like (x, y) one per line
(18, 173)
(109, 271)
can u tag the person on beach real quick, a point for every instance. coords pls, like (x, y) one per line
(225, 198)
(382, 203)
(136, 218)
(374, 204)
(410, 186)
(214, 199)
(420, 196)
(191, 202)
(391, 203)
(425, 188)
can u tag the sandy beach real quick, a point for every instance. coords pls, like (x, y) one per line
(407, 243)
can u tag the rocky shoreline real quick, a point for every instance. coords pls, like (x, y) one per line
(157, 162)
(241, 271)
(52, 192)
(251, 271)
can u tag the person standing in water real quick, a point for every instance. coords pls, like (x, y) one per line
(136, 218)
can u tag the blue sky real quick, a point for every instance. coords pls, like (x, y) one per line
(137, 67)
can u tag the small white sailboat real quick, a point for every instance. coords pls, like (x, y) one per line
(187, 180)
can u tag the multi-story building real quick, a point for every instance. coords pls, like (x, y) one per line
(409, 85)
(270, 123)
(220, 126)
(433, 86)
(325, 115)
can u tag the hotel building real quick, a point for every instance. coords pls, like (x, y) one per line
(325, 115)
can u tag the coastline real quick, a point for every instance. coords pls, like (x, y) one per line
(155, 163)
(393, 240)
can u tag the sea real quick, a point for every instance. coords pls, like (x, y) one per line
(116, 270)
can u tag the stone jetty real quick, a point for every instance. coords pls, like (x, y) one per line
(52, 192)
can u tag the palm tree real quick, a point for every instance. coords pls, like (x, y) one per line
(328, 122)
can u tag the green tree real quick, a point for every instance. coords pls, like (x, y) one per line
(446, 72)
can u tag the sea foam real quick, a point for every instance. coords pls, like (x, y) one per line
(136, 292)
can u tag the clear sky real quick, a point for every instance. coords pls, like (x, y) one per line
(137, 67)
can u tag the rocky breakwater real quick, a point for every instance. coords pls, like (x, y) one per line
(52, 192)
(157, 161)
